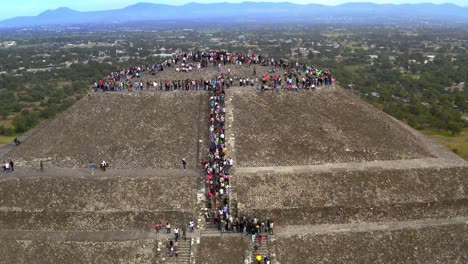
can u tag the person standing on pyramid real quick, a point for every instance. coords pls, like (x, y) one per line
(91, 167)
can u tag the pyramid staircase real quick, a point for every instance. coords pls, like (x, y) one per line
(183, 253)
(264, 249)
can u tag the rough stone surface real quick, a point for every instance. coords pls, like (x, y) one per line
(288, 128)
(86, 203)
(355, 196)
(445, 244)
(89, 221)
(137, 252)
(221, 250)
(97, 194)
(152, 130)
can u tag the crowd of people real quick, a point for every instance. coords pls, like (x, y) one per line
(300, 76)
(282, 75)
(217, 169)
(217, 166)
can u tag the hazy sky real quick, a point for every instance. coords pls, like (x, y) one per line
(12, 8)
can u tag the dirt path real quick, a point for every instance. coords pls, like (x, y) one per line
(102, 236)
(295, 230)
(21, 172)
(359, 166)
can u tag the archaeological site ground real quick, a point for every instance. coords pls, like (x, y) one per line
(342, 181)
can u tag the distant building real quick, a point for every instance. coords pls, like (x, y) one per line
(38, 70)
(164, 55)
(8, 44)
(120, 52)
(455, 87)
(430, 57)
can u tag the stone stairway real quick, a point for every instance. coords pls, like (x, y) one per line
(183, 253)
(263, 249)
(211, 230)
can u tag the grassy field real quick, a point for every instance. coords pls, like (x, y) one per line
(414, 76)
(458, 144)
(353, 68)
(5, 140)
(7, 122)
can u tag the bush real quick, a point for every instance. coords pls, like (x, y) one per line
(455, 127)
(25, 121)
(4, 131)
(48, 112)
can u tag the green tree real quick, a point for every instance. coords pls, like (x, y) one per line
(455, 127)
(25, 121)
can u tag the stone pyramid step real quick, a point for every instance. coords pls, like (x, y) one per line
(183, 253)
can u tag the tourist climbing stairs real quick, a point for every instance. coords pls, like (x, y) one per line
(263, 249)
(183, 253)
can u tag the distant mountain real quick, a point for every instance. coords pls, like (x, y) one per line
(252, 11)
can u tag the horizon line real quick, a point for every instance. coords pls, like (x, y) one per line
(235, 2)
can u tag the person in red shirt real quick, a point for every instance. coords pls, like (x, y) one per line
(260, 240)
(209, 176)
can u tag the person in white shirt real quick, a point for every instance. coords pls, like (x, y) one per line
(6, 165)
(103, 165)
(176, 233)
(191, 225)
